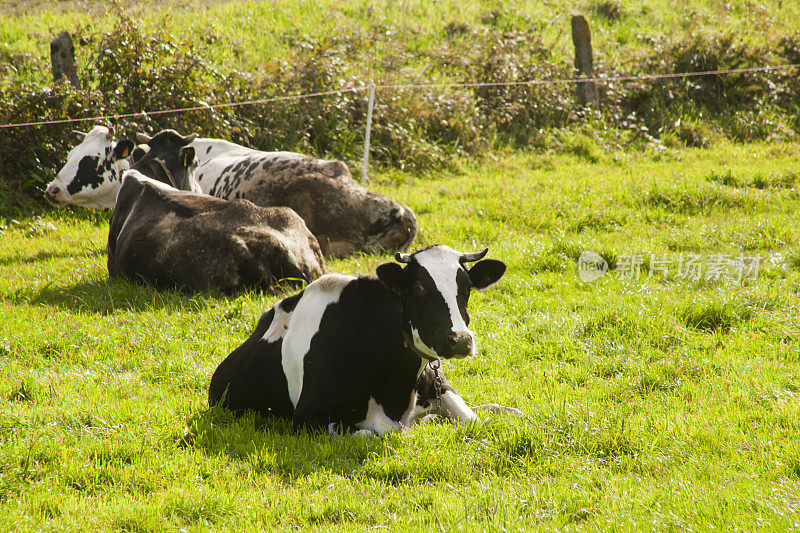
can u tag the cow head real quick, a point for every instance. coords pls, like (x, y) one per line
(93, 172)
(168, 158)
(368, 222)
(434, 289)
(345, 217)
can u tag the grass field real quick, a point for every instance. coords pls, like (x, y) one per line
(663, 396)
(253, 36)
(659, 404)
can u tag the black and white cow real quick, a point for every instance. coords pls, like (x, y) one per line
(344, 216)
(353, 352)
(93, 172)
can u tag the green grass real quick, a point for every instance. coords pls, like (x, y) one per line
(660, 404)
(254, 36)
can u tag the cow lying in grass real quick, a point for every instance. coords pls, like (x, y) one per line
(180, 239)
(344, 216)
(354, 353)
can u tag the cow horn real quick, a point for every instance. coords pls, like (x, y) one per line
(79, 135)
(189, 138)
(143, 138)
(111, 133)
(471, 258)
(402, 258)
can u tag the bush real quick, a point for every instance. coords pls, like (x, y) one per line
(413, 128)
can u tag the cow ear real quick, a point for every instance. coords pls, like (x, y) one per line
(392, 275)
(79, 135)
(187, 156)
(139, 152)
(486, 273)
(123, 149)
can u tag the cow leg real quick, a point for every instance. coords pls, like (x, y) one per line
(453, 407)
(377, 420)
(436, 396)
(497, 408)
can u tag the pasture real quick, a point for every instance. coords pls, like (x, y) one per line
(664, 395)
(662, 402)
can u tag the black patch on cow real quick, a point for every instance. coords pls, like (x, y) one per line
(88, 174)
(358, 353)
(288, 304)
(267, 163)
(251, 377)
(208, 149)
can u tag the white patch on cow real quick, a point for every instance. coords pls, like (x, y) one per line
(214, 156)
(304, 324)
(452, 406)
(279, 325)
(442, 264)
(377, 420)
(97, 143)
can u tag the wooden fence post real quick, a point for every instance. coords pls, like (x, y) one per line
(584, 63)
(62, 58)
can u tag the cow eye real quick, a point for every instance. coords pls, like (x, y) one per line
(419, 290)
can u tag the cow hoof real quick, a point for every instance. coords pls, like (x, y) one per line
(497, 408)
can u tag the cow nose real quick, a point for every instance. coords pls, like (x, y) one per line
(53, 190)
(460, 343)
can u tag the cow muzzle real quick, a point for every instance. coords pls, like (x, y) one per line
(55, 193)
(460, 345)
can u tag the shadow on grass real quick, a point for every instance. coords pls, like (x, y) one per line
(41, 257)
(106, 295)
(271, 445)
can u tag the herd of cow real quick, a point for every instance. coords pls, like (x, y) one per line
(353, 354)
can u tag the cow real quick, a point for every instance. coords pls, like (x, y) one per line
(360, 354)
(345, 217)
(191, 241)
(93, 172)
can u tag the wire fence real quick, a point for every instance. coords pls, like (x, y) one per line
(597, 79)
(418, 86)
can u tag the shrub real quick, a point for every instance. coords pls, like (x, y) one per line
(414, 128)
